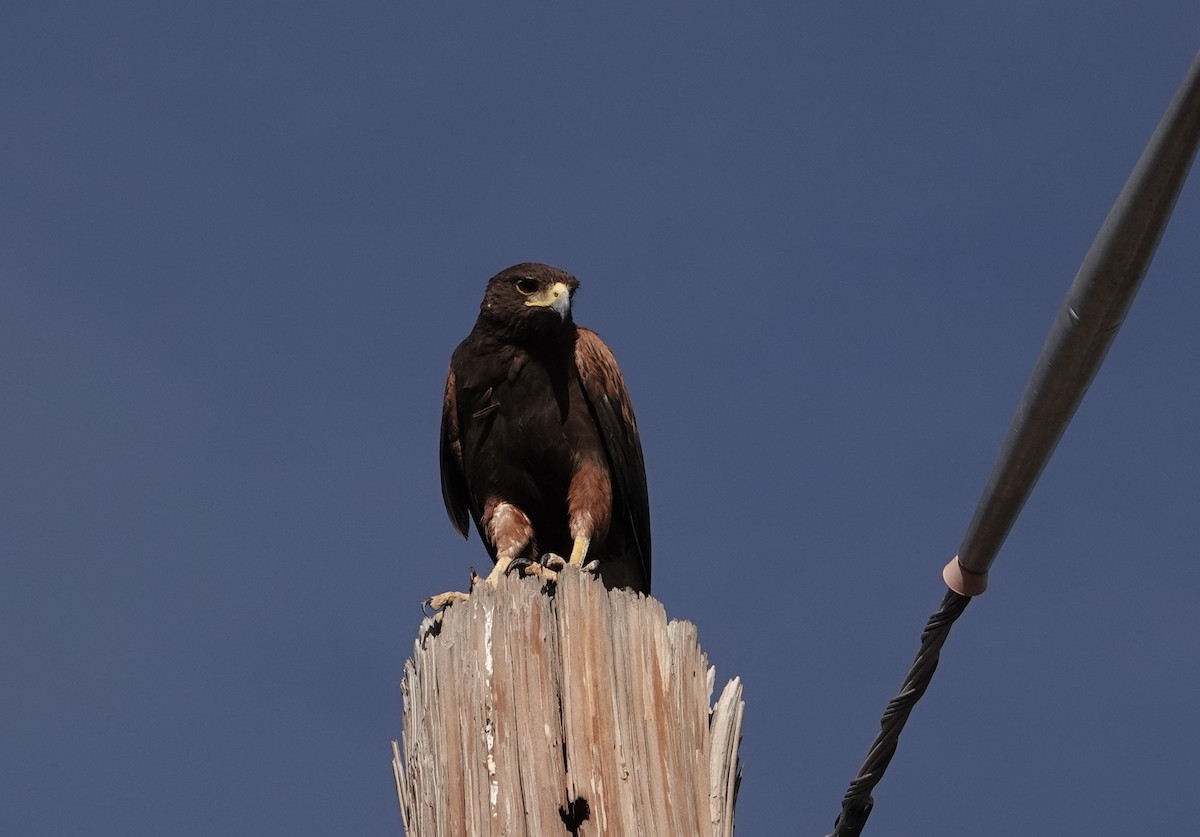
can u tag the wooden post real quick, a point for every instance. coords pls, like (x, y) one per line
(577, 712)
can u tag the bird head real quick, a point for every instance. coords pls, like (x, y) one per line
(529, 300)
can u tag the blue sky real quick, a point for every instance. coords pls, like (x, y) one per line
(238, 242)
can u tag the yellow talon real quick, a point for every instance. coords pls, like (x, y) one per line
(499, 571)
(579, 551)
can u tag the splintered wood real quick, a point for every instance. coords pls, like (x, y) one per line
(582, 713)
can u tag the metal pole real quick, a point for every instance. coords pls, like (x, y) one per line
(1086, 325)
(1093, 312)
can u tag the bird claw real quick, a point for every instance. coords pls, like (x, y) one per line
(522, 565)
(546, 567)
(591, 567)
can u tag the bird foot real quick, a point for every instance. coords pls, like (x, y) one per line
(545, 568)
(551, 565)
(444, 600)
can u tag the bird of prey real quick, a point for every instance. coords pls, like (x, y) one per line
(539, 446)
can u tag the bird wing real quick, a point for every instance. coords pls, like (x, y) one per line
(605, 391)
(454, 478)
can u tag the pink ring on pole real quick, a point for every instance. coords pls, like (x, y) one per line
(962, 581)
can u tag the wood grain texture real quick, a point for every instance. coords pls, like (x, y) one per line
(578, 711)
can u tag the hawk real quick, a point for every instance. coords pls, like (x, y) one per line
(539, 445)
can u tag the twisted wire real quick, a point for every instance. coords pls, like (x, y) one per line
(857, 803)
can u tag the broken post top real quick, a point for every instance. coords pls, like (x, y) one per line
(568, 710)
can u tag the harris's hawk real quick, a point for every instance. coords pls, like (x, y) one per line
(539, 446)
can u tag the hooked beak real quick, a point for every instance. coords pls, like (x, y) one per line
(557, 298)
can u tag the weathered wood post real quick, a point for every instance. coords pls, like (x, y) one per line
(576, 711)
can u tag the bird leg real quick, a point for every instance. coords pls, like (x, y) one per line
(589, 506)
(579, 551)
(510, 531)
(503, 565)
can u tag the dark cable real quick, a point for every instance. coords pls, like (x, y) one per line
(857, 803)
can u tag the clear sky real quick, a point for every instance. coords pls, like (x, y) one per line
(238, 242)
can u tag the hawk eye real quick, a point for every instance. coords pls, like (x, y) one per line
(527, 286)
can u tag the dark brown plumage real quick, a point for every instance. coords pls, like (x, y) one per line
(539, 444)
